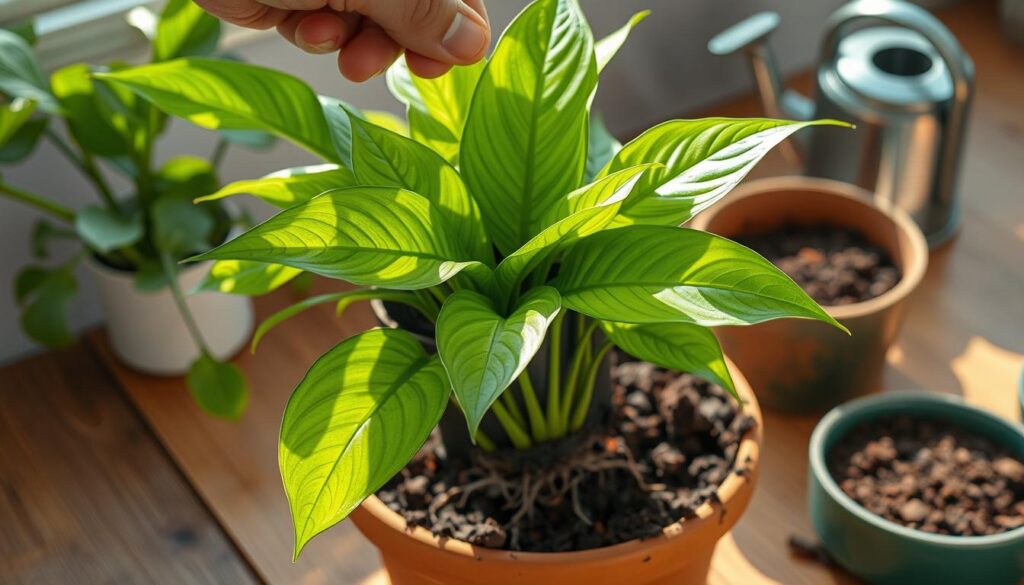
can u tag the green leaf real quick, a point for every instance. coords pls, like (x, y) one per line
(150, 276)
(601, 147)
(704, 160)
(20, 75)
(606, 48)
(677, 346)
(375, 236)
(218, 388)
(98, 125)
(526, 136)
(355, 420)
(587, 211)
(343, 300)
(387, 120)
(185, 30)
(105, 230)
(484, 352)
(225, 95)
(383, 158)
(251, 139)
(243, 277)
(187, 177)
(25, 29)
(43, 232)
(44, 295)
(28, 281)
(24, 140)
(654, 274)
(437, 108)
(13, 117)
(290, 186)
(336, 113)
(179, 227)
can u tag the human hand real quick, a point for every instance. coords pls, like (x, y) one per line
(370, 34)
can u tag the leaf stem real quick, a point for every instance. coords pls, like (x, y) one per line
(538, 428)
(516, 433)
(86, 164)
(33, 200)
(179, 300)
(583, 405)
(218, 153)
(576, 366)
(485, 442)
(509, 401)
(554, 420)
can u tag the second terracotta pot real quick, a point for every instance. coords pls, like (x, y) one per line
(801, 366)
(681, 555)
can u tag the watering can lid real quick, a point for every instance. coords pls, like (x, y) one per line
(894, 67)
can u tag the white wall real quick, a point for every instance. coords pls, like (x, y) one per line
(664, 71)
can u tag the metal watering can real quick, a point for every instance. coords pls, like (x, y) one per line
(899, 75)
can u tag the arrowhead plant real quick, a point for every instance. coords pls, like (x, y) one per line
(503, 208)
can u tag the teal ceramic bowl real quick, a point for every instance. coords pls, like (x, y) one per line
(884, 552)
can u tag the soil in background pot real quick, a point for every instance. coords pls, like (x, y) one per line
(835, 266)
(673, 441)
(930, 475)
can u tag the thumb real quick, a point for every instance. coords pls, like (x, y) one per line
(450, 31)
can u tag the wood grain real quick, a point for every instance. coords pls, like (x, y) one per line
(233, 466)
(964, 334)
(86, 493)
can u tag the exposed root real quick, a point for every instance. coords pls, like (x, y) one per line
(534, 488)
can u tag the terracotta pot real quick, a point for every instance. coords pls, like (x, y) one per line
(680, 555)
(803, 366)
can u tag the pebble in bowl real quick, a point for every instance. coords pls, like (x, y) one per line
(922, 547)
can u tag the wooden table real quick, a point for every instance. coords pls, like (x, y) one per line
(90, 491)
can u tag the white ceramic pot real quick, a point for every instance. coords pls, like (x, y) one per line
(147, 333)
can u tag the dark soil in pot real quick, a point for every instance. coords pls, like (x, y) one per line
(835, 266)
(672, 442)
(930, 475)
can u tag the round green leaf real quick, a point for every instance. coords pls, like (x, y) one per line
(105, 230)
(218, 388)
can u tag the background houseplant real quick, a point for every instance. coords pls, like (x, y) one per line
(139, 237)
(485, 222)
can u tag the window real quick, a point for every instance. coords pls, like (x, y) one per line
(76, 30)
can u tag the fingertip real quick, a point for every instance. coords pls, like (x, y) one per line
(425, 67)
(368, 54)
(321, 32)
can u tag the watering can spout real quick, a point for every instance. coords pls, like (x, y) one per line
(750, 37)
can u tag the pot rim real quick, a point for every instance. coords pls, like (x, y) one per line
(889, 403)
(916, 263)
(707, 515)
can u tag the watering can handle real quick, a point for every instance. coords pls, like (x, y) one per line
(919, 20)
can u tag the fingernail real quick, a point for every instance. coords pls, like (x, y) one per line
(328, 46)
(465, 37)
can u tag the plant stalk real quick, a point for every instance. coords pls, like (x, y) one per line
(538, 428)
(179, 300)
(218, 153)
(86, 164)
(576, 366)
(583, 405)
(554, 420)
(516, 433)
(33, 200)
